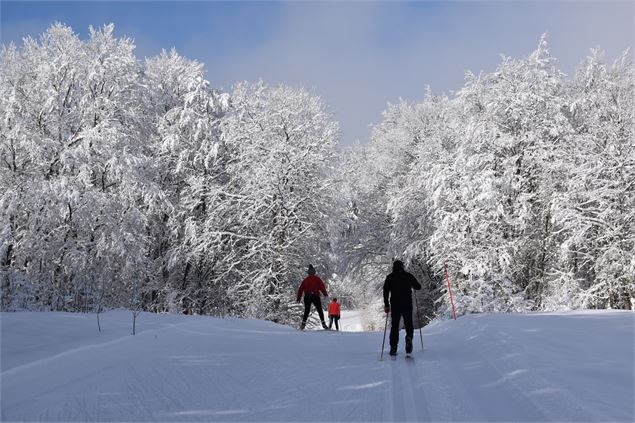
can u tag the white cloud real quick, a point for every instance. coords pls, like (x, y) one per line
(337, 49)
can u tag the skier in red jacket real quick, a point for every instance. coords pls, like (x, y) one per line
(311, 286)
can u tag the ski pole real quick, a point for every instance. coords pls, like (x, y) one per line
(381, 357)
(419, 321)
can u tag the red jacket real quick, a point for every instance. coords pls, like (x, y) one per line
(334, 308)
(312, 284)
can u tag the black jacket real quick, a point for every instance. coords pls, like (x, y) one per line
(398, 286)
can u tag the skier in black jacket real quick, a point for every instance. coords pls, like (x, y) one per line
(398, 286)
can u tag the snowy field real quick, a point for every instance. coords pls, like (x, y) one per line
(574, 367)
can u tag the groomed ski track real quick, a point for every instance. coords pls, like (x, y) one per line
(536, 367)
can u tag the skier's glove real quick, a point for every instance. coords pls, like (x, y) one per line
(387, 309)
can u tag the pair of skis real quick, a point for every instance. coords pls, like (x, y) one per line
(408, 356)
(317, 330)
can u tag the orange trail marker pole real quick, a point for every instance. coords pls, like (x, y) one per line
(445, 267)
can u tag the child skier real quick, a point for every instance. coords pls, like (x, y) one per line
(334, 314)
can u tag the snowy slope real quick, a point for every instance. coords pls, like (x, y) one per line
(536, 367)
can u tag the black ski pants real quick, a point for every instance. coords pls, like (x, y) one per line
(315, 300)
(335, 319)
(396, 313)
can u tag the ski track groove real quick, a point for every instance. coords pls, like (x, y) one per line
(409, 386)
(421, 406)
(408, 390)
(399, 406)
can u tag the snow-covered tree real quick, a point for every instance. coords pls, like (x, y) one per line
(595, 209)
(185, 116)
(520, 184)
(72, 151)
(501, 219)
(276, 202)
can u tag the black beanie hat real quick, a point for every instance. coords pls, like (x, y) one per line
(311, 270)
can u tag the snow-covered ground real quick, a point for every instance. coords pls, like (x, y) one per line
(534, 367)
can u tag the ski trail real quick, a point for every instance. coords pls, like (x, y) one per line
(408, 401)
(479, 390)
(419, 396)
(529, 384)
(407, 389)
(397, 404)
(443, 401)
(83, 349)
(225, 370)
(48, 360)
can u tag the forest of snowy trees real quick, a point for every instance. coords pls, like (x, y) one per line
(137, 184)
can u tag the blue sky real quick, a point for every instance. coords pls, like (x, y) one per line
(356, 55)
